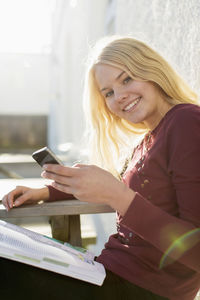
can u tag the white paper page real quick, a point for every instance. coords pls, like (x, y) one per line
(83, 253)
(17, 241)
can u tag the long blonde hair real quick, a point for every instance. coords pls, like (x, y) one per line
(107, 134)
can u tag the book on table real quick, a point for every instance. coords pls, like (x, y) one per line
(28, 247)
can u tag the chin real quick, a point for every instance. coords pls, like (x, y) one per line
(139, 118)
(136, 120)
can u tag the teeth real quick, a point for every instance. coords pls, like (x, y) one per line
(132, 104)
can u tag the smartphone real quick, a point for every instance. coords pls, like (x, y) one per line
(46, 156)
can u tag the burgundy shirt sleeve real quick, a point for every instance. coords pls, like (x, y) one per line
(178, 237)
(56, 195)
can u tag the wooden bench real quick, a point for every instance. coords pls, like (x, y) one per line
(64, 216)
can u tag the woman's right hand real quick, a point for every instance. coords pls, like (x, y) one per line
(23, 194)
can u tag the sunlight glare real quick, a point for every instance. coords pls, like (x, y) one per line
(25, 26)
(73, 3)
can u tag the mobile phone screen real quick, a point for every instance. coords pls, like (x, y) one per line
(45, 156)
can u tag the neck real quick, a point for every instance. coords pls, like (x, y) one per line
(152, 124)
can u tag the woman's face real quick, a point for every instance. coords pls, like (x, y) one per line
(133, 100)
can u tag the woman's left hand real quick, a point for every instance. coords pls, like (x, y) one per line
(91, 184)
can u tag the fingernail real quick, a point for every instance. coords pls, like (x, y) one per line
(43, 174)
(53, 184)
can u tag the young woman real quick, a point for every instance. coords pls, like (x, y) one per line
(155, 254)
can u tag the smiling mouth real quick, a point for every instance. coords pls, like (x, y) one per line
(132, 104)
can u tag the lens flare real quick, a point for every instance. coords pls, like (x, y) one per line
(180, 246)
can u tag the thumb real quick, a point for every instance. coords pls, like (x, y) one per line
(79, 165)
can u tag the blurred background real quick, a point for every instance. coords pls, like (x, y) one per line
(43, 50)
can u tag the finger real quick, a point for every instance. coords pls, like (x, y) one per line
(60, 179)
(10, 198)
(79, 165)
(5, 202)
(22, 199)
(13, 195)
(61, 170)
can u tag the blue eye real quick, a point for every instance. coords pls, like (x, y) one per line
(109, 94)
(127, 79)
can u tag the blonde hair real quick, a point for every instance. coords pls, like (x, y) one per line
(107, 132)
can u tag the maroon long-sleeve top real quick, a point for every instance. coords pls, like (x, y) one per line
(157, 245)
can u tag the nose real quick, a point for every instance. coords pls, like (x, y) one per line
(120, 96)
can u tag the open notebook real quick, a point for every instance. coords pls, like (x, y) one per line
(26, 246)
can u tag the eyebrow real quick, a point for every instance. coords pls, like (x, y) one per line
(117, 78)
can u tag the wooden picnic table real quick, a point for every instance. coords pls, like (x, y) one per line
(64, 216)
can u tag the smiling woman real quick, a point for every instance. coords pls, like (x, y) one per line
(154, 254)
(140, 66)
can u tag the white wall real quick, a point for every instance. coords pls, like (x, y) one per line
(171, 26)
(75, 28)
(24, 84)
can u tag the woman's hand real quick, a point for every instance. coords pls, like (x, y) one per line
(91, 184)
(23, 194)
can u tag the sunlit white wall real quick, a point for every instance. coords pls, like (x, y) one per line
(24, 84)
(171, 26)
(25, 46)
(77, 24)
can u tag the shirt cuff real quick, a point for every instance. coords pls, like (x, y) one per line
(56, 195)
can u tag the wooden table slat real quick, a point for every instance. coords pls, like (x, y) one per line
(68, 207)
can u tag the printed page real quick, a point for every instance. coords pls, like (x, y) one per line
(19, 246)
(80, 252)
